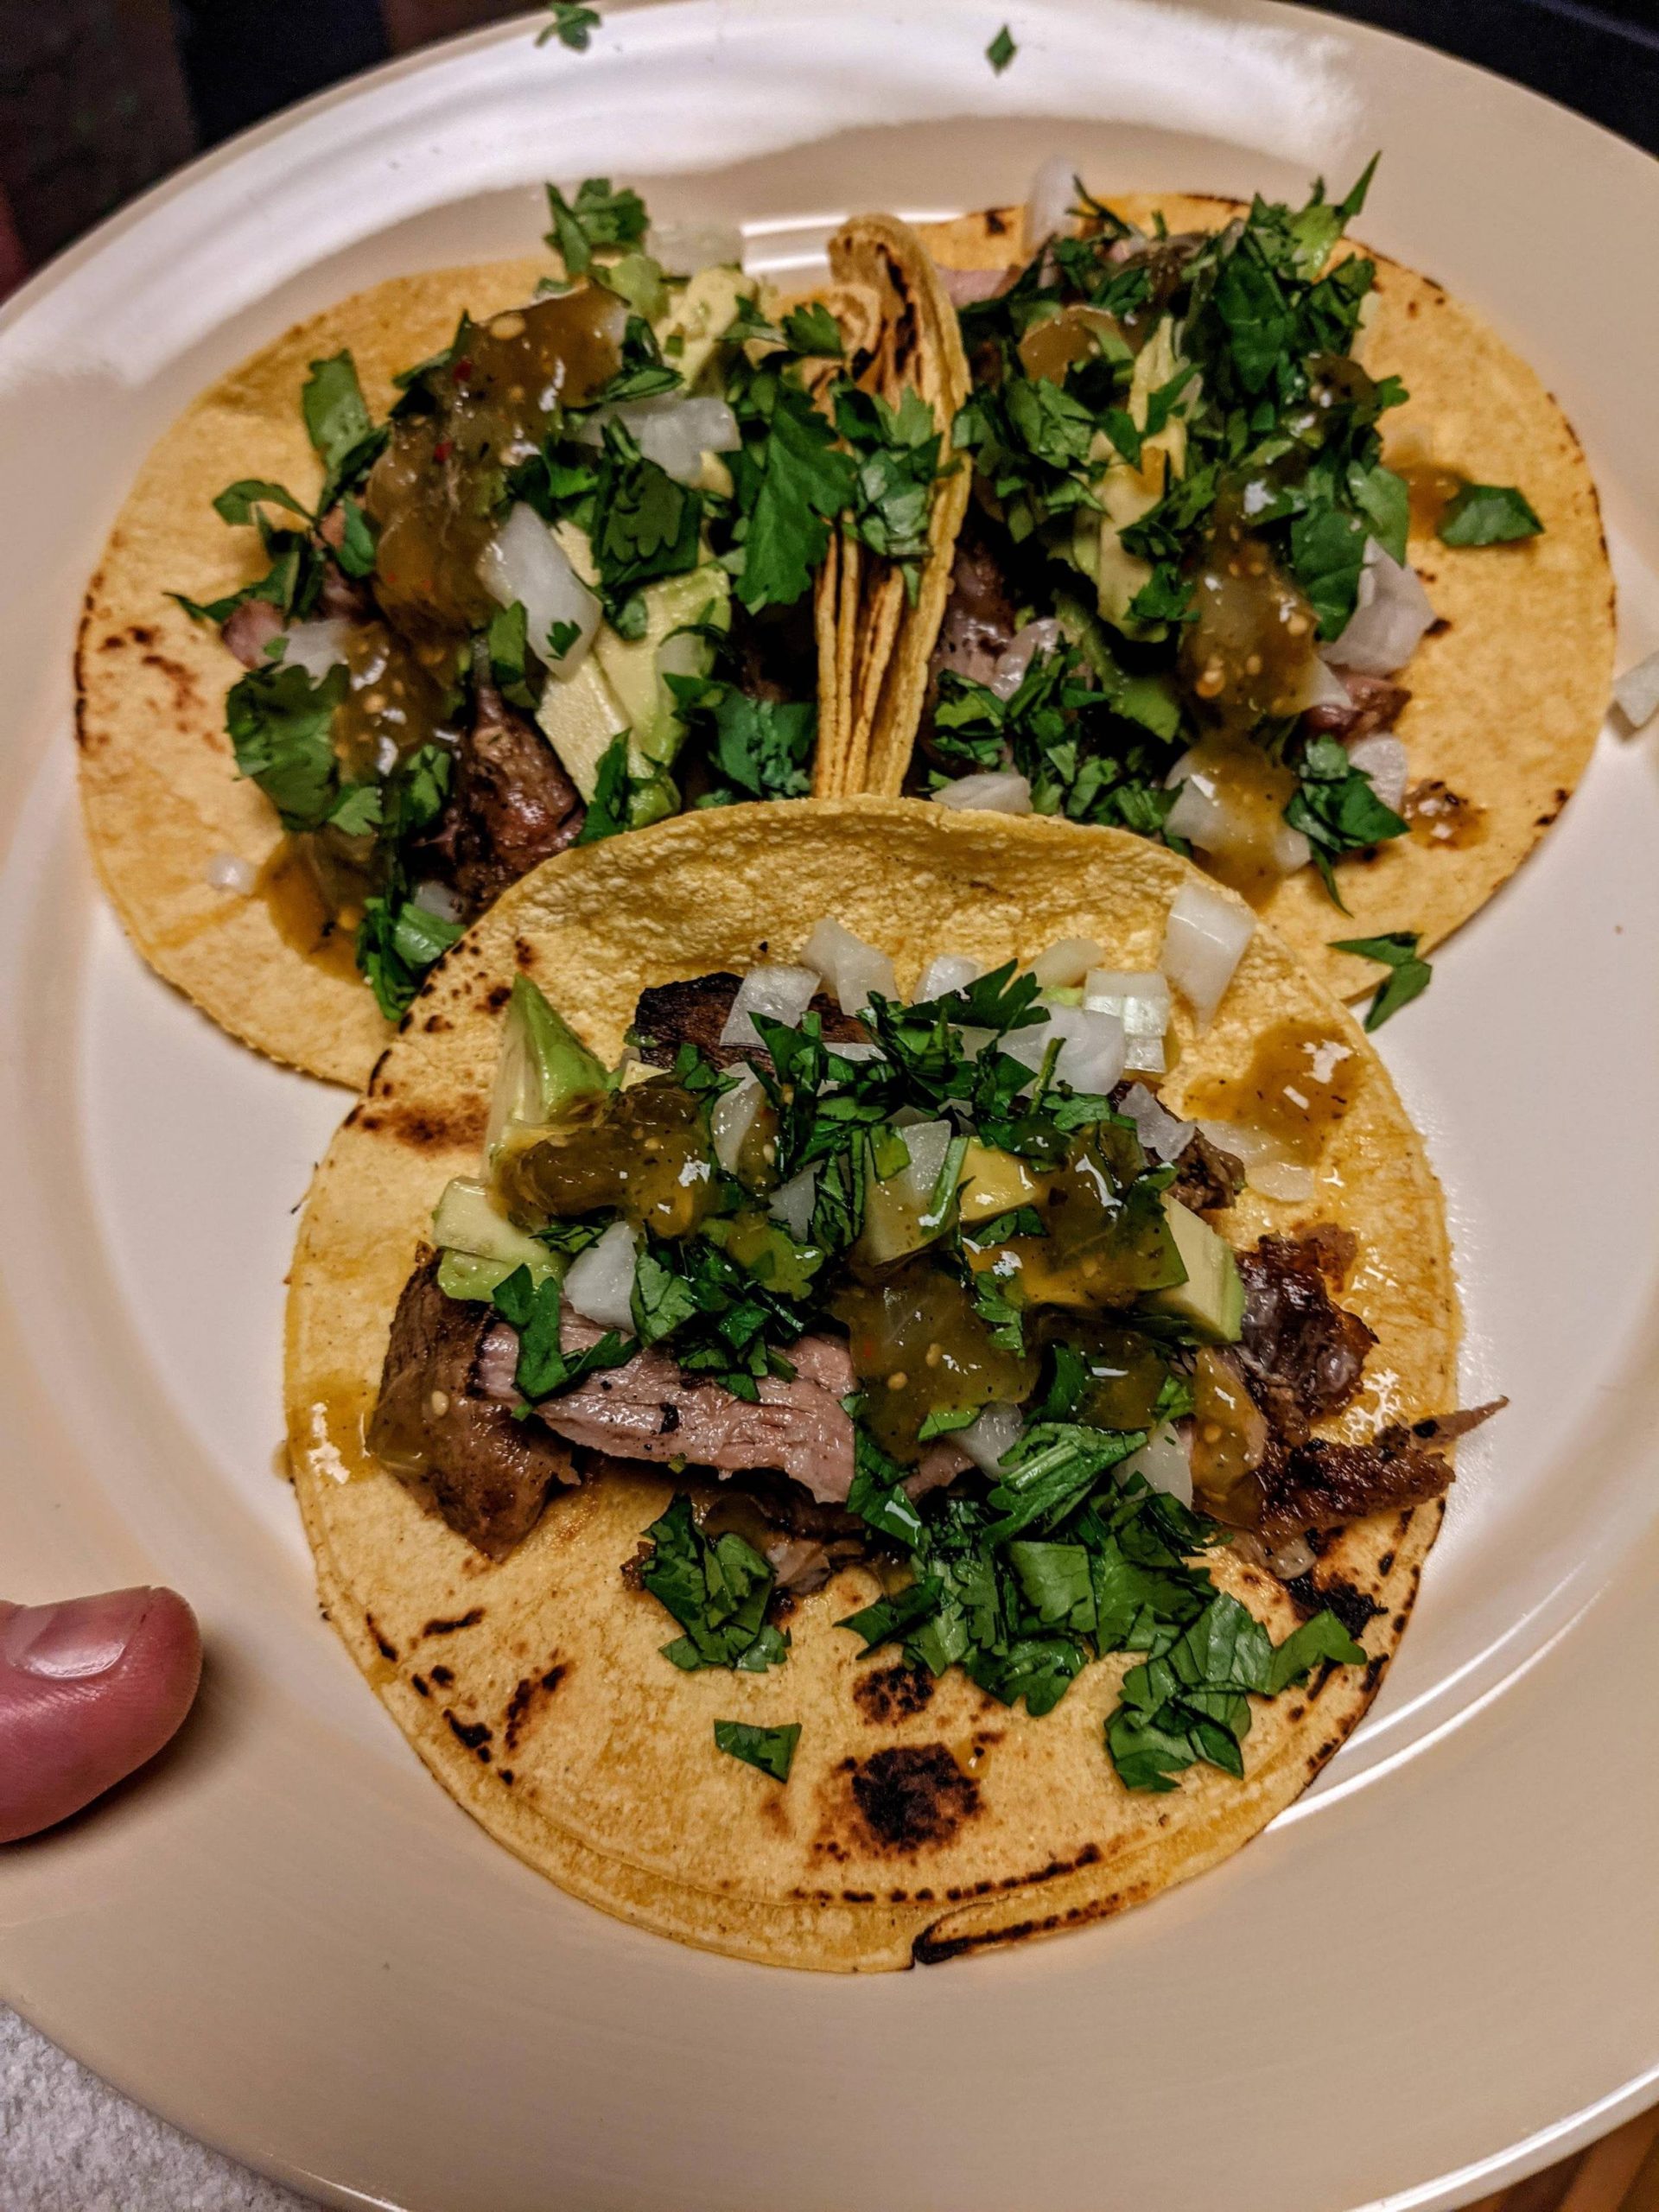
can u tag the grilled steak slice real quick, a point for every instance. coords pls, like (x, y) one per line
(511, 804)
(694, 1013)
(1302, 1353)
(1321, 1484)
(980, 616)
(249, 629)
(1206, 1178)
(647, 1409)
(444, 1423)
(1374, 704)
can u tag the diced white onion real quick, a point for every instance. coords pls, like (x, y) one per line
(1293, 1558)
(434, 897)
(526, 561)
(1220, 819)
(947, 971)
(994, 791)
(1066, 963)
(599, 1282)
(1141, 1001)
(926, 1142)
(782, 994)
(1637, 692)
(674, 432)
(1382, 758)
(682, 249)
(791, 1203)
(1166, 1461)
(852, 969)
(1389, 617)
(732, 1117)
(1268, 1169)
(1322, 687)
(316, 646)
(1091, 1046)
(1165, 1137)
(1048, 211)
(1011, 666)
(866, 1049)
(1205, 939)
(225, 872)
(988, 1440)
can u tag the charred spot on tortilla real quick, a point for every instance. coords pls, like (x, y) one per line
(913, 1796)
(896, 1692)
(382, 1643)
(1312, 1594)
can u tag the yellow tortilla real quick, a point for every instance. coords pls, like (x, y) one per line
(1509, 693)
(163, 805)
(534, 1688)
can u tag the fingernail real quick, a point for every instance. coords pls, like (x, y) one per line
(78, 1637)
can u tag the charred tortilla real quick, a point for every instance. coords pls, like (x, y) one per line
(1508, 689)
(921, 1818)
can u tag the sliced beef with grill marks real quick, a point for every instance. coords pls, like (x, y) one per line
(1322, 1485)
(668, 1015)
(1374, 703)
(980, 616)
(1303, 1355)
(511, 804)
(444, 1423)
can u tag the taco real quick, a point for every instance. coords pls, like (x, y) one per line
(818, 1436)
(1276, 551)
(519, 556)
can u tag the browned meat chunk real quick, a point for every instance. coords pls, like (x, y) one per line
(980, 616)
(1303, 1354)
(444, 1424)
(694, 1013)
(510, 805)
(1374, 704)
(342, 596)
(1206, 1178)
(249, 629)
(1321, 1484)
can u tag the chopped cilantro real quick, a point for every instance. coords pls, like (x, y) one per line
(1001, 50)
(339, 425)
(717, 1589)
(1336, 807)
(279, 720)
(597, 221)
(1487, 514)
(813, 330)
(1397, 950)
(644, 523)
(792, 481)
(773, 1750)
(237, 501)
(571, 24)
(544, 1368)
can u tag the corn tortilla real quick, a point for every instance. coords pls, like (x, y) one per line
(555, 1720)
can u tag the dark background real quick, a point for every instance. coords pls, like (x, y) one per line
(99, 98)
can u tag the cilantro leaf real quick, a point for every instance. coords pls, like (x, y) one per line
(644, 523)
(610, 811)
(1396, 950)
(1487, 514)
(1001, 50)
(356, 551)
(1322, 1638)
(812, 330)
(1336, 807)
(338, 424)
(236, 502)
(1327, 551)
(802, 482)
(773, 1750)
(507, 643)
(598, 218)
(279, 721)
(718, 1590)
(571, 24)
(544, 1368)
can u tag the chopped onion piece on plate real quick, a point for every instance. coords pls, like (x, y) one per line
(1205, 939)
(947, 971)
(1163, 1136)
(682, 249)
(1141, 1001)
(1091, 1046)
(1382, 758)
(1270, 1171)
(1219, 818)
(791, 1203)
(732, 1117)
(315, 646)
(1637, 692)
(988, 1440)
(1048, 211)
(225, 872)
(1166, 1461)
(1010, 671)
(1066, 963)
(1389, 617)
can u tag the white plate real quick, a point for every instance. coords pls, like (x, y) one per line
(1437, 1971)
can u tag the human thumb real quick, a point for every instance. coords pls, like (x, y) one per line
(90, 1688)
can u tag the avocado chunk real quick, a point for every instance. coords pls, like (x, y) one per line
(580, 715)
(1212, 1299)
(634, 667)
(544, 1067)
(467, 1224)
(699, 318)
